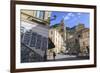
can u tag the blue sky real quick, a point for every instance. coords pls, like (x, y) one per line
(71, 18)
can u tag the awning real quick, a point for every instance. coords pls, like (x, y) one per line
(50, 44)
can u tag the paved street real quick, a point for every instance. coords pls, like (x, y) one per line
(63, 57)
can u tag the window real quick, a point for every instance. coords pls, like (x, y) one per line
(44, 43)
(37, 14)
(27, 37)
(40, 14)
(79, 36)
(33, 40)
(38, 43)
(51, 32)
(76, 41)
(83, 43)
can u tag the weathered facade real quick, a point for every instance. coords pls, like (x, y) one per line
(57, 39)
(57, 35)
(35, 15)
(84, 42)
(72, 42)
(34, 35)
(78, 40)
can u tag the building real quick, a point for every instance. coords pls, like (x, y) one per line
(72, 42)
(57, 39)
(79, 27)
(84, 42)
(34, 35)
(41, 16)
(77, 40)
(57, 35)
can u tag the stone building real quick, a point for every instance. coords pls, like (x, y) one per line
(57, 35)
(72, 42)
(77, 40)
(57, 39)
(35, 15)
(34, 35)
(84, 42)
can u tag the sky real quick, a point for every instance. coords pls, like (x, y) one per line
(71, 18)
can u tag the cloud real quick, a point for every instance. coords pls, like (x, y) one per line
(79, 14)
(68, 16)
